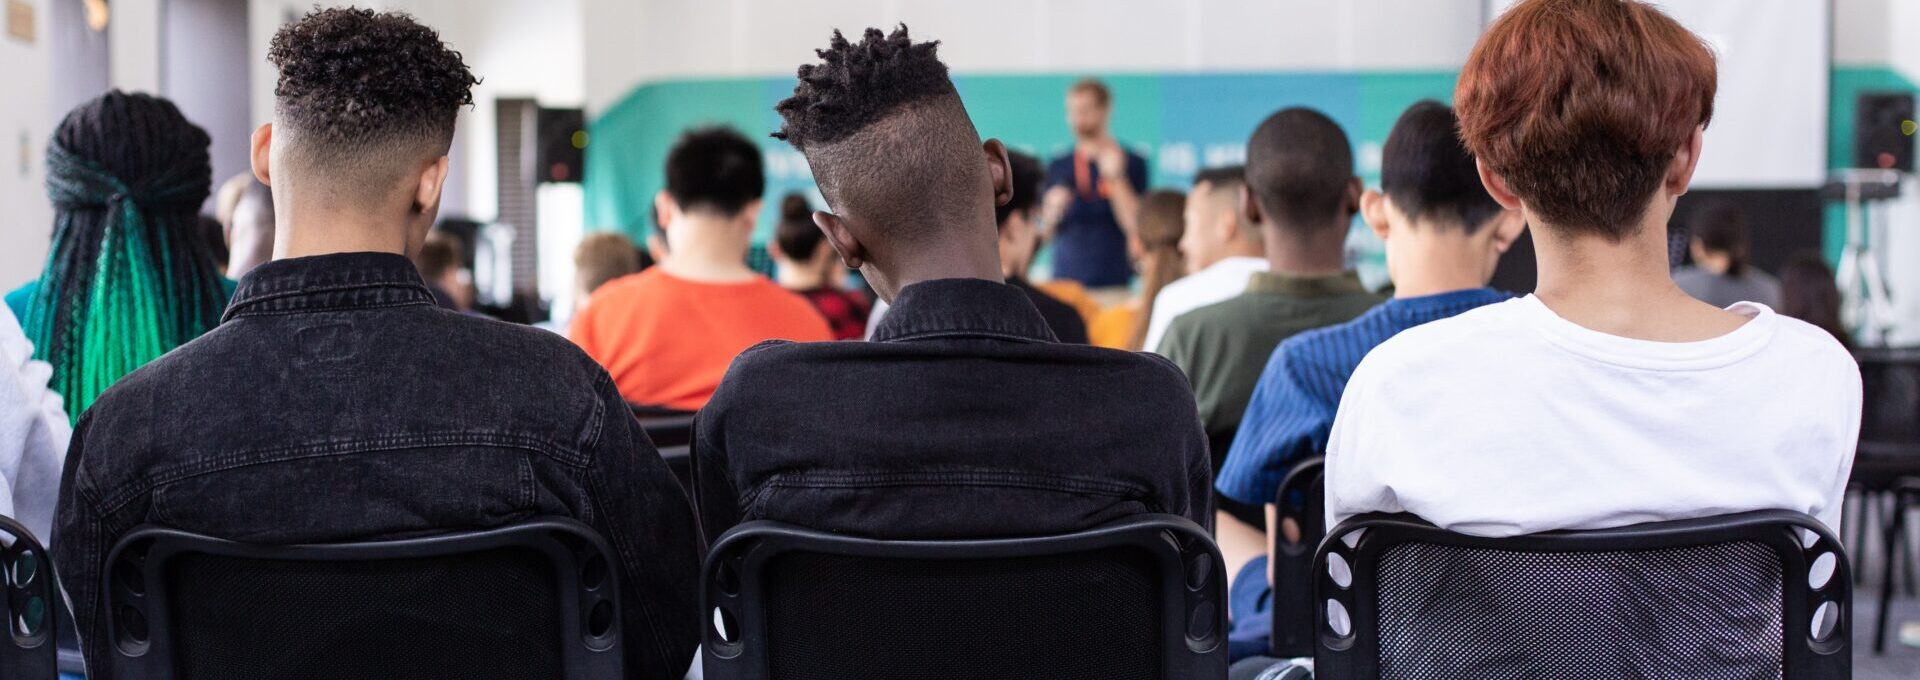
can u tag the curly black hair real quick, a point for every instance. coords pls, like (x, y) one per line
(352, 77)
(856, 85)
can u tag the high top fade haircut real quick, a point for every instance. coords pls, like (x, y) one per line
(363, 95)
(1299, 165)
(1580, 105)
(1429, 173)
(884, 132)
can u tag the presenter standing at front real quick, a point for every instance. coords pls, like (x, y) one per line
(1093, 194)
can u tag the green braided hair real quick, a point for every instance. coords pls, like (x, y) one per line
(130, 275)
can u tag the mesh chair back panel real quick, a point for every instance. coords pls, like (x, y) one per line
(1891, 382)
(1708, 612)
(487, 615)
(1092, 616)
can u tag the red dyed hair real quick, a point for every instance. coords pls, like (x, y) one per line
(1580, 105)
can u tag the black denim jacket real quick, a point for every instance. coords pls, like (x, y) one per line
(964, 418)
(335, 402)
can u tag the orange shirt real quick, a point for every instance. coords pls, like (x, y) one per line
(667, 341)
(1114, 327)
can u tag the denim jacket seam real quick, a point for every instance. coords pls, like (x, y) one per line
(222, 463)
(321, 309)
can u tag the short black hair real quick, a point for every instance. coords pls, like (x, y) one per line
(1429, 173)
(1299, 165)
(1027, 178)
(1221, 177)
(356, 84)
(1721, 227)
(886, 135)
(796, 235)
(717, 168)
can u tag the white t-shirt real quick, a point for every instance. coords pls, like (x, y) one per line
(1509, 420)
(33, 433)
(1217, 283)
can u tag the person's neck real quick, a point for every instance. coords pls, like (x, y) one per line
(1087, 144)
(308, 235)
(708, 249)
(974, 254)
(800, 277)
(1717, 263)
(1438, 259)
(1307, 251)
(1622, 287)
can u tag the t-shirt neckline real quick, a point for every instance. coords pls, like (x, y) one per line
(1711, 353)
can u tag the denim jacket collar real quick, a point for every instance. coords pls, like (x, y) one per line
(329, 282)
(962, 307)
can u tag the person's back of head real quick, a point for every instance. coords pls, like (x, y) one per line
(1215, 227)
(1158, 231)
(363, 118)
(796, 238)
(1808, 293)
(1720, 232)
(716, 173)
(911, 187)
(1299, 174)
(1019, 237)
(602, 257)
(131, 274)
(1580, 107)
(1441, 229)
(441, 263)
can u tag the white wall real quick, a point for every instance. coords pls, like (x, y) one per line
(25, 122)
(135, 33)
(629, 42)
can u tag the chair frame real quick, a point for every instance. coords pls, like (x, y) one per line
(1193, 584)
(28, 656)
(148, 550)
(1293, 632)
(1356, 656)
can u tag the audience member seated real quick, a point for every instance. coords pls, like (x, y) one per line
(1155, 246)
(598, 259)
(667, 333)
(965, 417)
(1721, 273)
(33, 433)
(1808, 293)
(1609, 396)
(806, 265)
(1221, 250)
(1018, 242)
(1444, 235)
(244, 207)
(439, 262)
(1300, 190)
(350, 407)
(131, 275)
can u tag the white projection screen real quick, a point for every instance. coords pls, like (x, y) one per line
(1769, 127)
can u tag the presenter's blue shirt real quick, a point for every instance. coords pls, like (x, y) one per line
(1088, 245)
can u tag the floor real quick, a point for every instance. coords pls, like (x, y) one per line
(1900, 661)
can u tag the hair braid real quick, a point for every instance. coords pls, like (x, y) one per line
(128, 278)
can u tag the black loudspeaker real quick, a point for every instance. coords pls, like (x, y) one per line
(562, 144)
(1883, 131)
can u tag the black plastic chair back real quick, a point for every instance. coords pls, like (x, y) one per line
(1137, 599)
(1752, 595)
(1301, 499)
(31, 606)
(1889, 418)
(668, 430)
(679, 460)
(538, 599)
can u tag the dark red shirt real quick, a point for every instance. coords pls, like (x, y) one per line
(846, 311)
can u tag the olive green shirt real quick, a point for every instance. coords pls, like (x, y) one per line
(1223, 347)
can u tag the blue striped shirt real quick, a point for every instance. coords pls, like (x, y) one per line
(1294, 402)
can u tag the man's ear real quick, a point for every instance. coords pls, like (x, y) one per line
(1507, 228)
(433, 182)
(1373, 210)
(263, 154)
(1496, 186)
(1250, 216)
(852, 252)
(1680, 171)
(1000, 169)
(665, 209)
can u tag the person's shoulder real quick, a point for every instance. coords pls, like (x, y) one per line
(1321, 348)
(1806, 344)
(1456, 341)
